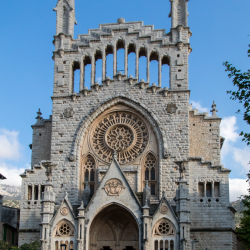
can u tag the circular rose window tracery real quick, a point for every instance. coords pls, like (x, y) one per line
(124, 132)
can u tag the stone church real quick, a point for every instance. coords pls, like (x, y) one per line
(125, 164)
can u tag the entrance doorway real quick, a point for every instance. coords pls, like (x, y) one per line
(114, 228)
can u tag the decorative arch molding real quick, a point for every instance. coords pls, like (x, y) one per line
(64, 228)
(140, 108)
(115, 219)
(98, 211)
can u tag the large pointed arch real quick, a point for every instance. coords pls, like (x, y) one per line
(86, 122)
(120, 226)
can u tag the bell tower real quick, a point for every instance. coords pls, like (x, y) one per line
(65, 17)
(179, 13)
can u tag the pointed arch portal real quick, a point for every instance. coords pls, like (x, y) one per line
(114, 228)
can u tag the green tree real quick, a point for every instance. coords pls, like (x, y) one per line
(243, 231)
(35, 245)
(241, 80)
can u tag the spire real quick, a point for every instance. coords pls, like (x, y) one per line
(65, 17)
(179, 13)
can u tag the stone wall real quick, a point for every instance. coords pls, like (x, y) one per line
(41, 141)
(204, 134)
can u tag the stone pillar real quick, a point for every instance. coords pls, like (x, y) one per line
(148, 68)
(48, 205)
(159, 71)
(103, 64)
(146, 224)
(183, 212)
(81, 225)
(114, 60)
(82, 68)
(137, 64)
(126, 60)
(92, 70)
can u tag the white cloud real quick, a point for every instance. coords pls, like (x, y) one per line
(9, 145)
(12, 173)
(198, 106)
(237, 188)
(241, 156)
(228, 128)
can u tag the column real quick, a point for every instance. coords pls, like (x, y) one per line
(82, 68)
(92, 70)
(148, 67)
(32, 195)
(137, 64)
(115, 60)
(39, 193)
(159, 71)
(205, 183)
(104, 64)
(212, 188)
(81, 225)
(126, 60)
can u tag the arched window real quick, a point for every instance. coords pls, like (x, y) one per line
(164, 235)
(89, 173)
(149, 170)
(64, 235)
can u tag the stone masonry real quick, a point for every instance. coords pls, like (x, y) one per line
(124, 155)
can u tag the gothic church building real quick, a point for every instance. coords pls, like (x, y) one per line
(125, 164)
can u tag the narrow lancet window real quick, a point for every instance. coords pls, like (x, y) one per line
(150, 172)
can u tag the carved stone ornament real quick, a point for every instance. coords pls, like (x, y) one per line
(113, 187)
(64, 211)
(124, 132)
(171, 108)
(163, 209)
(68, 112)
(164, 228)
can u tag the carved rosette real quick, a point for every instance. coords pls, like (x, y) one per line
(64, 211)
(113, 187)
(163, 209)
(124, 132)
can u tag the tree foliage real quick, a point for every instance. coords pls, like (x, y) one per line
(35, 245)
(242, 82)
(243, 231)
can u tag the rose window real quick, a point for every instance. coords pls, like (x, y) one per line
(119, 138)
(64, 229)
(124, 132)
(164, 227)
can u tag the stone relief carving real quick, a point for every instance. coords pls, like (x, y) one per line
(171, 108)
(113, 187)
(124, 132)
(64, 211)
(163, 209)
(68, 113)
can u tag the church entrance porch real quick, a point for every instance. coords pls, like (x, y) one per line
(114, 228)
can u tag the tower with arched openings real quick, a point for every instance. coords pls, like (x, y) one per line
(124, 162)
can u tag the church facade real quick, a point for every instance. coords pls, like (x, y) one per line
(125, 164)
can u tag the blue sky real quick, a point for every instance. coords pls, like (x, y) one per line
(220, 32)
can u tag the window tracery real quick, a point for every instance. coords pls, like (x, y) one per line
(64, 229)
(89, 172)
(149, 169)
(124, 132)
